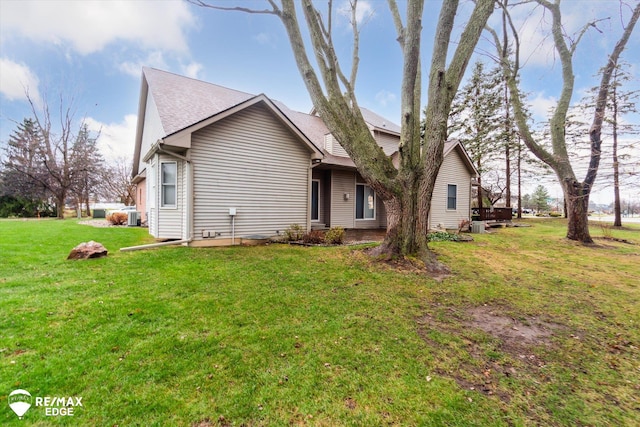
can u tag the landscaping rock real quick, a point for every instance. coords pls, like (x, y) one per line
(88, 250)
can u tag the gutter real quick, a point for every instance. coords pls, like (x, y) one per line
(154, 245)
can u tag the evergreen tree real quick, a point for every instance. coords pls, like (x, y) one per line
(475, 120)
(23, 173)
(88, 167)
(56, 164)
(540, 198)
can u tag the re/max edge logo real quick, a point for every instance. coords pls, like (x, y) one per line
(21, 400)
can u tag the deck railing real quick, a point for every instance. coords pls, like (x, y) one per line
(495, 214)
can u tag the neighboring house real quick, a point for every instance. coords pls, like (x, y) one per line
(216, 166)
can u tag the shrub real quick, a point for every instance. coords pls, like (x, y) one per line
(442, 236)
(335, 236)
(118, 218)
(555, 214)
(313, 237)
(17, 206)
(606, 230)
(293, 233)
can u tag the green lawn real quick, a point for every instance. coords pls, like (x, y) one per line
(286, 335)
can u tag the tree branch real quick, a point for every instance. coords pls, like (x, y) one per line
(395, 13)
(273, 11)
(601, 102)
(511, 74)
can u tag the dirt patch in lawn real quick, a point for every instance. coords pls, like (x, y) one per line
(485, 344)
(512, 332)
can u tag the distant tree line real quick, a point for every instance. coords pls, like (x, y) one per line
(43, 169)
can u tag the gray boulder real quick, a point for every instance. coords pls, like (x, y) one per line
(88, 250)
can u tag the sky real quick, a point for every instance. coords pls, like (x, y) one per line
(90, 54)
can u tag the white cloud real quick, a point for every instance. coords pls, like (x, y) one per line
(89, 26)
(385, 98)
(116, 140)
(154, 59)
(540, 106)
(364, 10)
(265, 39)
(192, 69)
(16, 80)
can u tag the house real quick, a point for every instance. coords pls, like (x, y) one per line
(216, 166)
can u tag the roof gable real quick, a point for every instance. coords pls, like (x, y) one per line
(456, 145)
(183, 101)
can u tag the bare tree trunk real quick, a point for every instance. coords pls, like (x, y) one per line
(507, 148)
(60, 200)
(617, 221)
(87, 204)
(577, 211)
(480, 200)
(519, 166)
(576, 193)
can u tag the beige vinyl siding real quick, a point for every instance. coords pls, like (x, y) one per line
(171, 220)
(249, 161)
(343, 211)
(152, 129)
(389, 143)
(453, 171)
(332, 145)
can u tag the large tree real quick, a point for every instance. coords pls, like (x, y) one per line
(23, 174)
(54, 158)
(115, 182)
(88, 165)
(621, 102)
(405, 191)
(475, 120)
(576, 192)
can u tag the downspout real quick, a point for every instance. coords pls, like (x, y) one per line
(309, 181)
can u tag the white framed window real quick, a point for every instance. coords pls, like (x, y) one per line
(168, 184)
(452, 197)
(365, 202)
(315, 200)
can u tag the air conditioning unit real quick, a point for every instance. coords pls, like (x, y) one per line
(133, 218)
(477, 227)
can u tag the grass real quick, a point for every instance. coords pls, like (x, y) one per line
(280, 335)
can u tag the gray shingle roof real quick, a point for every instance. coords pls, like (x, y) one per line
(182, 101)
(379, 122)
